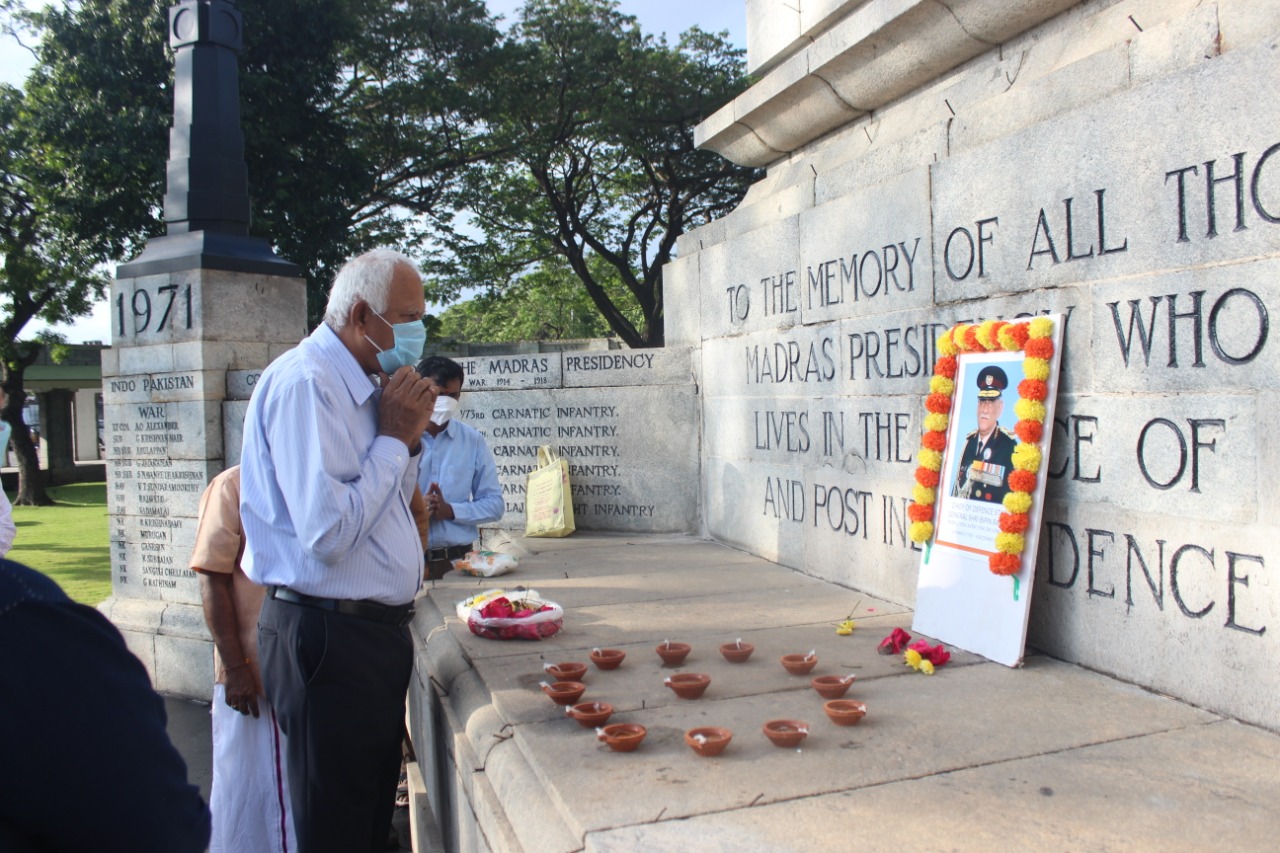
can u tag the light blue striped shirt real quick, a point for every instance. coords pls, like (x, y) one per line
(462, 463)
(324, 499)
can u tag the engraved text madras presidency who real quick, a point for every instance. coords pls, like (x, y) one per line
(987, 457)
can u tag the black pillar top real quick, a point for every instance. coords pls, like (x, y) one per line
(206, 207)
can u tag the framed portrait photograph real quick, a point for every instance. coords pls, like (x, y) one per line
(979, 492)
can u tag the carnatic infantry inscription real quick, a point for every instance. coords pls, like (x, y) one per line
(625, 470)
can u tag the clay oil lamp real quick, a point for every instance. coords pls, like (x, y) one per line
(673, 654)
(607, 658)
(622, 737)
(845, 712)
(800, 664)
(564, 692)
(566, 671)
(688, 685)
(708, 741)
(833, 686)
(737, 652)
(786, 733)
(590, 714)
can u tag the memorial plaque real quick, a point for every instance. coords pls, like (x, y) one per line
(632, 450)
(512, 372)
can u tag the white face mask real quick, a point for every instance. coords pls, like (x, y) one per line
(445, 409)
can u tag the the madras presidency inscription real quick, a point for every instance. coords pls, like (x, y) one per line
(1157, 243)
(625, 420)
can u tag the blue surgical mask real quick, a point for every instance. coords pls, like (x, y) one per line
(410, 338)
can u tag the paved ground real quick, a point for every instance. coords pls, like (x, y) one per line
(979, 757)
(189, 731)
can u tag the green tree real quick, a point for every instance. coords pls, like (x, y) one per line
(48, 273)
(548, 304)
(355, 114)
(591, 158)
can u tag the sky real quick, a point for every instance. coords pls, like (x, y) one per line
(671, 17)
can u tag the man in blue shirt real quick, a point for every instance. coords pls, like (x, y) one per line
(328, 471)
(457, 473)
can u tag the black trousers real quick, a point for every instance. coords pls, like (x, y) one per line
(338, 685)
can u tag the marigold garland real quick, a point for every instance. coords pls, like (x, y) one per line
(1035, 340)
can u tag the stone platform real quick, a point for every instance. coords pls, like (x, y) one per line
(1050, 756)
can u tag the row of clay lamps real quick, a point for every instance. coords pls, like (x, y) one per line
(568, 688)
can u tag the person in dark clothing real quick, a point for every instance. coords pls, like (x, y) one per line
(76, 704)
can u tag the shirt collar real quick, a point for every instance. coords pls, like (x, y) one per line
(344, 363)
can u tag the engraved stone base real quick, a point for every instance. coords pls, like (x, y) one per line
(171, 641)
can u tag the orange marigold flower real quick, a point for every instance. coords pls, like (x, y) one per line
(1014, 522)
(938, 403)
(920, 512)
(934, 440)
(1033, 389)
(927, 478)
(1005, 564)
(1020, 334)
(1039, 348)
(971, 342)
(1022, 481)
(1029, 431)
(945, 366)
(996, 326)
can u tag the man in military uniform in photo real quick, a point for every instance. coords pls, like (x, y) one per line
(987, 458)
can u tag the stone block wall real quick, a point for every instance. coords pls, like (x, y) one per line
(1116, 162)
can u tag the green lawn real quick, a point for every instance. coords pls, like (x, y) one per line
(68, 542)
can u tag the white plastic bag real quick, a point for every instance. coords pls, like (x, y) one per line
(485, 564)
(539, 618)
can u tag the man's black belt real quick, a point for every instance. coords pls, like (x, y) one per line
(374, 611)
(453, 552)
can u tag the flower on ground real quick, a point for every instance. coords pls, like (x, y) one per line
(894, 643)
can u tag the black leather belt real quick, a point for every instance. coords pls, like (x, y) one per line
(374, 611)
(453, 552)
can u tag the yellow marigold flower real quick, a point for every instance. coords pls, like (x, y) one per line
(926, 666)
(942, 385)
(845, 628)
(922, 495)
(1017, 502)
(984, 335)
(1040, 327)
(912, 658)
(1036, 368)
(936, 422)
(1026, 457)
(946, 346)
(957, 335)
(920, 531)
(1010, 543)
(930, 459)
(1005, 339)
(1030, 410)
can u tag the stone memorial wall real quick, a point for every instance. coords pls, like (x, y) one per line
(1117, 163)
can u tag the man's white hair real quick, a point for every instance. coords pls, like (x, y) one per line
(366, 277)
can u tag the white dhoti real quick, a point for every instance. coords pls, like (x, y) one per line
(249, 800)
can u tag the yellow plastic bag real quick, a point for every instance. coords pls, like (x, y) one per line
(547, 500)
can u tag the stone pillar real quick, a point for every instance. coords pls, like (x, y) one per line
(57, 429)
(86, 425)
(201, 301)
